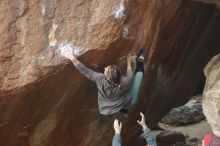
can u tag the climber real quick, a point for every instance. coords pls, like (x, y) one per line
(147, 135)
(114, 94)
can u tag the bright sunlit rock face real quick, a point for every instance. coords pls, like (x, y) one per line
(45, 101)
(211, 95)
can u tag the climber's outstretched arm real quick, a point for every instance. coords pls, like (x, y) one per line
(129, 63)
(74, 60)
(126, 80)
(90, 74)
(68, 53)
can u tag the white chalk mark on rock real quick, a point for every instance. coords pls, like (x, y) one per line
(125, 31)
(118, 11)
(51, 37)
(65, 46)
(42, 9)
(42, 57)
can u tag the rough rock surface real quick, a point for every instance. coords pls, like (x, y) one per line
(44, 101)
(211, 94)
(190, 113)
(215, 2)
(167, 138)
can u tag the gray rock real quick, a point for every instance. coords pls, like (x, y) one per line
(191, 112)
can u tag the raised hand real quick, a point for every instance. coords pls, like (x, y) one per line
(129, 58)
(142, 122)
(67, 52)
(117, 126)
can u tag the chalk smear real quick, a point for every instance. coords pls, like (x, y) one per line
(125, 31)
(118, 11)
(51, 37)
(65, 46)
(42, 9)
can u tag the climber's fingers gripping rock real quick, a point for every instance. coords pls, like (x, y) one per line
(68, 53)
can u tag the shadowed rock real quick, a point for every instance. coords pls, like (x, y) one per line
(190, 113)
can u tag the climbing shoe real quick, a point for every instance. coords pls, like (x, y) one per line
(140, 55)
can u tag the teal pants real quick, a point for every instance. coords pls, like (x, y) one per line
(134, 88)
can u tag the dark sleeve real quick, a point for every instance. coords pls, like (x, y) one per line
(90, 74)
(116, 141)
(147, 135)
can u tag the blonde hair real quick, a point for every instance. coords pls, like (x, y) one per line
(113, 76)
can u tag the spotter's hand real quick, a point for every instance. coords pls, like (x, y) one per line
(117, 126)
(142, 122)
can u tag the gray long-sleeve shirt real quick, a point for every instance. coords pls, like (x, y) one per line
(147, 135)
(109, 100)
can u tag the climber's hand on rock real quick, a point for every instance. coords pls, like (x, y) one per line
(117, 126)
(129, 62)
(129, 58)
(68, 53)
(142, 122)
